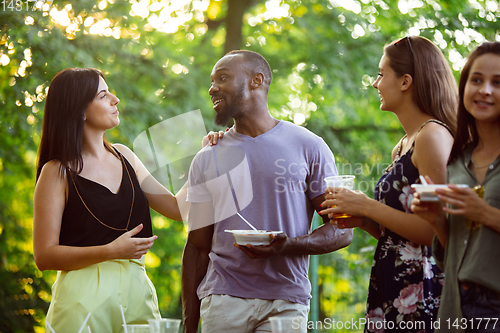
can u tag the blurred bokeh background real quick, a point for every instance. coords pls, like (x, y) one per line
(157, 56)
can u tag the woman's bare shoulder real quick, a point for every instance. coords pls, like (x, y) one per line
(53, 170)
(433, 133)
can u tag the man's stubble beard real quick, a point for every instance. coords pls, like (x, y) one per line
(229, 111)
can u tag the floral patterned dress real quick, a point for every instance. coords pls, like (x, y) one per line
(405, 283)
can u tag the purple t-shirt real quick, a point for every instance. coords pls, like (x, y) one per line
(270, 180)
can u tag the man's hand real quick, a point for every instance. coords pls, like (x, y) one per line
(278, 244)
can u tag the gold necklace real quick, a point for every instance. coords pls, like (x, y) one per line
(131, 206)
(478, 167)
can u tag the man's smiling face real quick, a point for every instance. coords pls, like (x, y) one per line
(228, 88)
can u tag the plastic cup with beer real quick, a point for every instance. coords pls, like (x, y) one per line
(347, 182)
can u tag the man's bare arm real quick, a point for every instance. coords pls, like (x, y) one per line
(195, 261)
(324, 239)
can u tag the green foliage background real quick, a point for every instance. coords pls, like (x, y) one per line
(324, 55)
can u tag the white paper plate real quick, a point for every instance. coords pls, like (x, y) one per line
(253, 237)
(427, 193)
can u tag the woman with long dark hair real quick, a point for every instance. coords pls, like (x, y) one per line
(91, 210)
(416, 83)
(467, 221)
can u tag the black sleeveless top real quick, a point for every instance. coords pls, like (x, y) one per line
(80, 228)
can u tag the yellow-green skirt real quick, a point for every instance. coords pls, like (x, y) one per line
(100, 289)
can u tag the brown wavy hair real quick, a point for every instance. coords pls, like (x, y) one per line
(435, 88)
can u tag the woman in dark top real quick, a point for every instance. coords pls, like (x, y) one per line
(414, 82)
(91, 210)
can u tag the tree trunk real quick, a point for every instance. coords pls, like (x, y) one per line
(234, 22)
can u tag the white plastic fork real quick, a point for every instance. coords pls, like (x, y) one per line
(250, 224)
